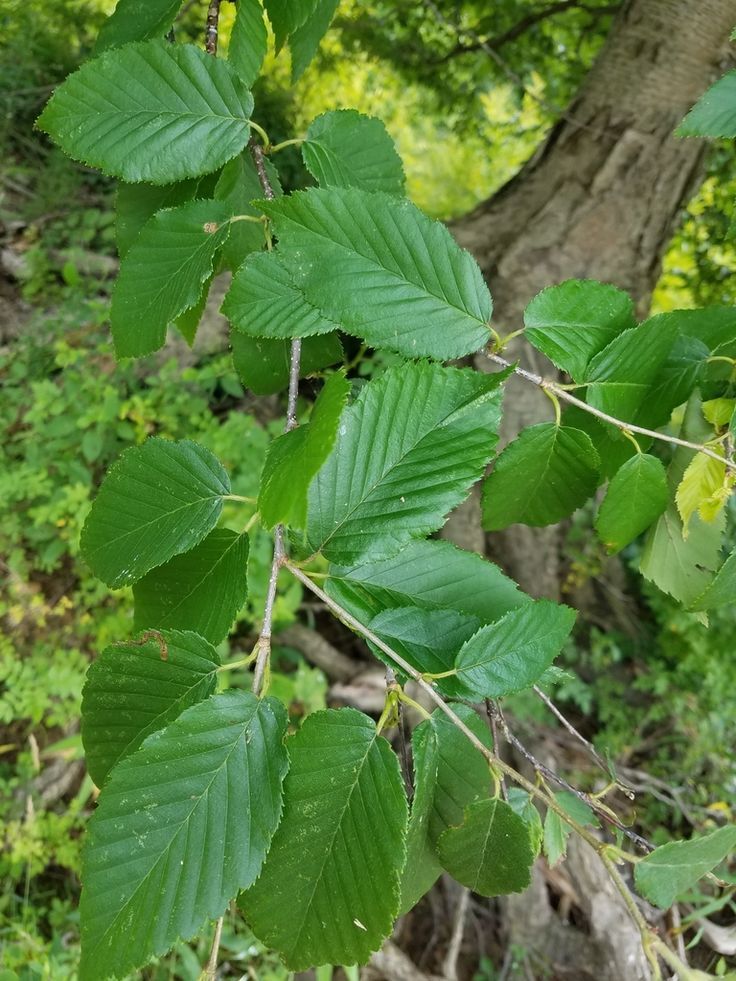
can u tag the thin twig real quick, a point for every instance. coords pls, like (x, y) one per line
(629, 427)
(491, 710)
(279, 536)
(210, 972)
(449, 968)
(211, 30)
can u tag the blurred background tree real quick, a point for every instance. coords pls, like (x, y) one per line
(542, 130)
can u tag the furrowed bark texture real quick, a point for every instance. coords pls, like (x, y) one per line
(599, 200)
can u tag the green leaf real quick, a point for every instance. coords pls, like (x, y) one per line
(681, 373)
(636, 497)
(556, 833)
(264, 301)
(344, 148)
(182, 825)
(201, 590)
(304, 42)
(383, 270)
(619, 377)
(159, 500)
(432, 575)
(428, 639)
(287, 16)
(450, 773)
(512, 654)
(237, 186)
(613, 452)
(152, 111)
(541, 477)
(491, 852)
(673, 868)
(136, 20)
(187, 323)
(722, 590)
(373, 494)
(339, 850)
(572, 322)
(719, 412)
(715, 112)
(248, 40)
(163, 273)
(294, 458)
(263, 365)
(682, 567)
(136, 688)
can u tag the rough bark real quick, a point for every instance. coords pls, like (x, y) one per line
(599, 199)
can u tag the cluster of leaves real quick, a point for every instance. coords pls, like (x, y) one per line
(205, 797)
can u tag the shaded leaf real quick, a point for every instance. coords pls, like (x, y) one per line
(136, 20)
(163, 273)
(673, 868)
(432, 575)
(136, 204)
(572, 322)
(373, 494)
(294, 458)
(187, 323)
(152, 111)
(263, 364)
(491, 852)
(544, 475)
(159, 500)
(636, 497)
(248, 40)
(722, 590)
(345, 816)
(383, 270)
(682, 567)
(139, 687)
(513, 653)
(344, 148)
(287, 15)
(304, 42)
(182, 825)
(201, 590)
(237, 186)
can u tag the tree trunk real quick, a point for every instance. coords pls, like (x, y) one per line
(599, 200)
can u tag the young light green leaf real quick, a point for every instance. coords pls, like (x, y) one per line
(673, 868)
(304, 42)
(152, 111)
(619, 377)
(719, 412)
(248, 40)
(383, 270)
(287, 16)
(703, 488)
(345, 816)
(572, 322)
(136, 20)
(450, 773)
(722, 590)
(432, 575)
(139, 687)
(263, 364)
(373, 494)
(265, 301)
(182, 825)
(636, 497)
(491, 852)
(294, 458)
(715, 112)
(522, 804)
(428, 639)
(162, 275)
(513, 653)
(344, 148)
(201, 590)
(159, 500)
(541, 477)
